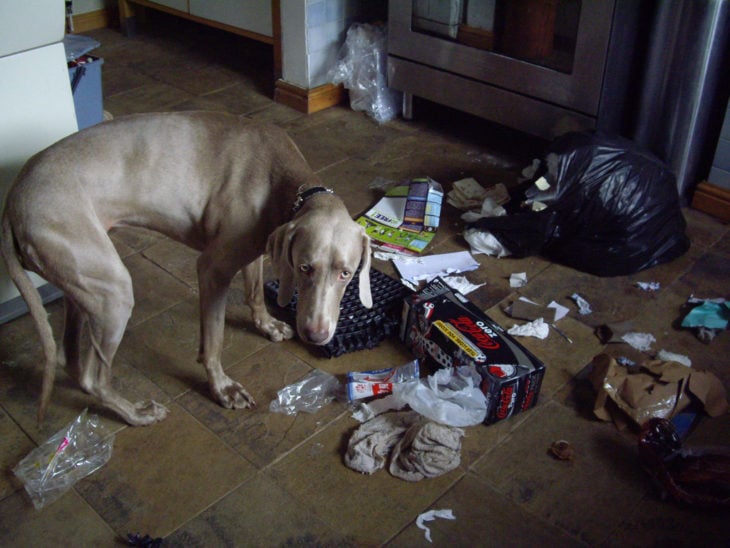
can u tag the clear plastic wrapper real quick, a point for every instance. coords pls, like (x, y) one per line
(361, 68)
(309, 395)
(72, 453)
(363, 384)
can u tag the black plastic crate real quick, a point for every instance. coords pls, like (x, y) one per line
(359, 328)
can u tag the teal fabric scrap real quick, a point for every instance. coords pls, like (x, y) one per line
(712, 315)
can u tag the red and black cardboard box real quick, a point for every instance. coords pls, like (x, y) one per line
(444, 329)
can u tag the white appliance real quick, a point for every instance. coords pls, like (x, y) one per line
(36, 103)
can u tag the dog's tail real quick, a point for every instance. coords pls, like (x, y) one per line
(22, 281)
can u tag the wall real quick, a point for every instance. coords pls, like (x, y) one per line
(313, 32)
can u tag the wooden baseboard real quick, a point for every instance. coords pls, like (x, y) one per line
(308, 100)
(713, 200)
(84, 22)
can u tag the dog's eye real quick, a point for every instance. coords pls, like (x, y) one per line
(345, 275)
(305, 268)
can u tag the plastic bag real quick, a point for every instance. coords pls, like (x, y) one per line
(451, 396)
(361, 68)
(612, 209)
(72, 453)
(309, 395)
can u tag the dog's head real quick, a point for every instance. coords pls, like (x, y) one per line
(318, 257)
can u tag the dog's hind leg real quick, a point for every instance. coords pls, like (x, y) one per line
(102, 300)
(69, 352)
(214, 280)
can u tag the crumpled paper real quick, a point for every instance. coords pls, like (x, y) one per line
(536, 328)
(584, 307)
(483, 241)
(659, 389)
(430, 516)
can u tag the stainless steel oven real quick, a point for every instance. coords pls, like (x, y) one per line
(540, 66)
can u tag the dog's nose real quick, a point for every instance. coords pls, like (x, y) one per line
(317, 335)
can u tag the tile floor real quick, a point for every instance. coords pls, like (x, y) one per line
(207, 476)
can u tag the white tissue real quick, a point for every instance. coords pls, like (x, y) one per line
(537, 328)
(430, 516)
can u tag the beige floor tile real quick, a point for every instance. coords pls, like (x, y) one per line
(152, 484)
(369, 508)
(165, 348)
(16, 445)
(563, 359)
(483, 517)
(667, 523)
(330, 136)
(612, 299)
(135, 238)
(587, 497)
(69, 520)
(154, 289)
(258, 513)
(151, 97)
(176, 259)
(258, 434)
(240, 98)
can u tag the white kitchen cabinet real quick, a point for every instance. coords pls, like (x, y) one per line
(36, 105)
(252, 18)
(250, 15)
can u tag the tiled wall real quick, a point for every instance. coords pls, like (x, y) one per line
(327, 24)
(313, 32)
(720, 171)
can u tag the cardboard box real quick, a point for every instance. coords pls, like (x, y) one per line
(405, 220)
(443, 329)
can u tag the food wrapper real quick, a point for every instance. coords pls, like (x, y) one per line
(657, 389)
(72, 453)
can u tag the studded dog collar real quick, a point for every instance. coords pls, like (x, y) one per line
(304, 195)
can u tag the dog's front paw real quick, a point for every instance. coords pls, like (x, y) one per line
(233, 395)
(276, 330)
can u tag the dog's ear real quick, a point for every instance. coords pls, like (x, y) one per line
(278, 247)
(365, 296)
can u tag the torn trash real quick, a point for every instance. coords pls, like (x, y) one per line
(584, 307)
(417, 269)
(660, 389)
(405, 220)
(536, 328)
(364, 384)
(431, 515)
(611, 208)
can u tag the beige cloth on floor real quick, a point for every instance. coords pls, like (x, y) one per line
(371, 443)
(418, 448)
(427, 449)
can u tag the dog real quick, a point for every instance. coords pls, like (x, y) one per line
(230, 188)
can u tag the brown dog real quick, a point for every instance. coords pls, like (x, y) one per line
(213, 181)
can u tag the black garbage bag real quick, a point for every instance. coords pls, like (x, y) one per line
(612, 209)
